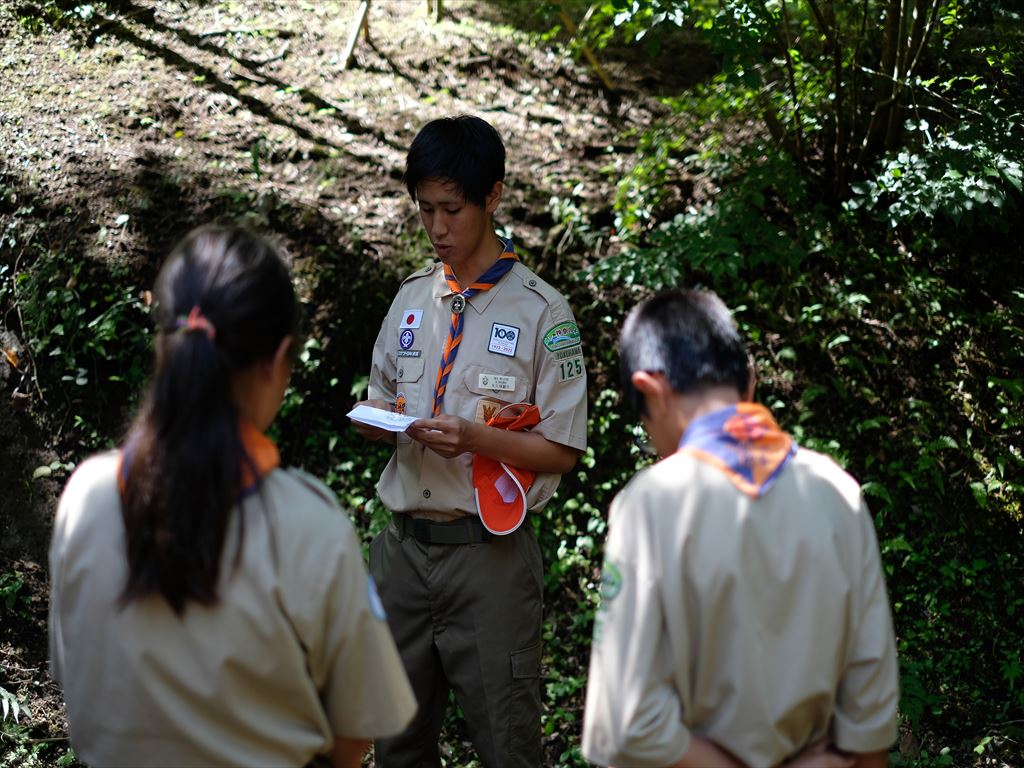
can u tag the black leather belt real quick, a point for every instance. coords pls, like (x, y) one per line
(465, 530)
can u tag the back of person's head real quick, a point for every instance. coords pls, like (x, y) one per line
(687, 335)
(224, 300)
(464, 150)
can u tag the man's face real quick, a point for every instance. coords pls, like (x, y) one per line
(459, 230)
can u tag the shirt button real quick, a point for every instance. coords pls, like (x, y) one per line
(401, 372)
(533, 283)
(426, 493)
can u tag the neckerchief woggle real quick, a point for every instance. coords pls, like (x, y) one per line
(485, 282)
(742, 441)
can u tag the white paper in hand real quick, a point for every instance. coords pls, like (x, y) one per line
(378, 417)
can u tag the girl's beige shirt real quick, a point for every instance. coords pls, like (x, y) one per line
(295, 652)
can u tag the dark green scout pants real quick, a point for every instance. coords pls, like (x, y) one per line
(465, 617)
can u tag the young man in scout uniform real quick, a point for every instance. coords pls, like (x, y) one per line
(465, 338)
(743, 614)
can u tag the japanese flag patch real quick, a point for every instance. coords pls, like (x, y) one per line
(411, 318)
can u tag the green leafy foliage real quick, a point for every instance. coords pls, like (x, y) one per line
(11, 707)
(89, 332)
(956, 176)
(764, 215)
(864, 228)
(876, 273)
(13, 598)
(56, 14)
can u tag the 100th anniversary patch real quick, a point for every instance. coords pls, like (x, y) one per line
(504, 339)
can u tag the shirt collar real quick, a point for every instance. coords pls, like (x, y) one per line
(480, 301)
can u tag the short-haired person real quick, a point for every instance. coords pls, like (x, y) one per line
(744, 617)
(208, 607)
(459, 570)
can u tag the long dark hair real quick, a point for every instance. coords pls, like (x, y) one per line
(182, 466)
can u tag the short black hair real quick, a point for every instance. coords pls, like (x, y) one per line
(464, 150)
(687, 335)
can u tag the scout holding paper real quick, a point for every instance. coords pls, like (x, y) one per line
(465, 338)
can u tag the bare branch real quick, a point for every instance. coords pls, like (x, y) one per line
(823, 26)
(926, 37)
(571, 28)
(794, 94)
(245, 31)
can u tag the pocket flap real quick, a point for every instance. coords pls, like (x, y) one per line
(505, 385)
(409, 369)
(526, 663)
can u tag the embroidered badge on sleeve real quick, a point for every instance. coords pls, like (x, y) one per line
(611, 585)
(562, 336)
(412, 318)
(570, 368)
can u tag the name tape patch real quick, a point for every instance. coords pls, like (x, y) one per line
(497, 382)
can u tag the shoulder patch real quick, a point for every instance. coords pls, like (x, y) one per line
(611, 585)
(611, 581)
(562, 336)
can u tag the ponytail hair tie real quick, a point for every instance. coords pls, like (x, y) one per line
(196, 321)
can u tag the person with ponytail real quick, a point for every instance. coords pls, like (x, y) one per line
(207, 606)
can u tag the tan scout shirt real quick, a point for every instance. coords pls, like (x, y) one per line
(520, 344)
(762, 625)
(294, 652)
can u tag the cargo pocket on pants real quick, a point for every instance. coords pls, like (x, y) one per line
(525, 741)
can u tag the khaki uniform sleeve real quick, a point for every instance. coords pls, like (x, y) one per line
(382, 366)
(93, 482)
(865, 716)
(561, 389)
(57, 542)
(633, 713)
(356, 667)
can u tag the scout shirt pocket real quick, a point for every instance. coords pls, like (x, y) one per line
(409, 388)
(492, 388)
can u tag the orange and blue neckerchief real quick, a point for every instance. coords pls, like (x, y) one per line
(744, 442)
(262, 453)
(485, 282)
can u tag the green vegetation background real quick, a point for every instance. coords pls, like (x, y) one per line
(848, 177)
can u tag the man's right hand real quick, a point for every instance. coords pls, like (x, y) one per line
(375, 433)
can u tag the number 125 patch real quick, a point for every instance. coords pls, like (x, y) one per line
(570, 369)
